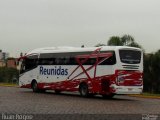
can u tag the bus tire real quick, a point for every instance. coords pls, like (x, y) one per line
(83, 89)
(110, 96)
(35, 87)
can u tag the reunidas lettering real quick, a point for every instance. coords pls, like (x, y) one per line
(53, 71)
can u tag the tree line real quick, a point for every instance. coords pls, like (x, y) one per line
(152, 72)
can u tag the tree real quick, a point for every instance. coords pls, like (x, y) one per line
(151, 72)
(156, 68)
(135, 44)
(125, 40)
(148, 73)
(115, 41)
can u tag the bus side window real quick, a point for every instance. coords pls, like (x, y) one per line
(57, 61)
(72, 61)
(52, 61)
(46, 61)
(109, 61)
(66, 61)
(92, 61)
(31, 62)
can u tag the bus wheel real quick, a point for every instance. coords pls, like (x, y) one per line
(108, 96)
(83, 89)
(35, 87)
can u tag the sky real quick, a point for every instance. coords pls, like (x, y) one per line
(30, 24)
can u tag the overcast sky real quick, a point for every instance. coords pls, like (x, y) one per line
(30, 24)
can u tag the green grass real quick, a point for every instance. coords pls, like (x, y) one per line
(8, 84)
(147, 95)
(151, 94)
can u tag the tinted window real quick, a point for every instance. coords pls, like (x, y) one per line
(109, 61)
(46, 61)
(70, 59)
(130, 56)
(59, 58)
(90, 61)
(29, 63)
(54, 59)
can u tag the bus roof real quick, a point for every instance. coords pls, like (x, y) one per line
(76, 49)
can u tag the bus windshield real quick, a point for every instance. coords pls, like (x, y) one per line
(130, 56)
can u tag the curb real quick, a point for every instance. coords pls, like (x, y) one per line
(144, 96)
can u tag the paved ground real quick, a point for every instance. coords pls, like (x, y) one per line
(20, 101)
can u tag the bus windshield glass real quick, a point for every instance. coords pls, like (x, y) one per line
(130, 56)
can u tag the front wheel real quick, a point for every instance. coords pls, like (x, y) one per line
(83, 89)
(35, 87)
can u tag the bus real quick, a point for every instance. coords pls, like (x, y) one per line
(105, 70)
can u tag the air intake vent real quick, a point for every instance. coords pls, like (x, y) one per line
(130, 66)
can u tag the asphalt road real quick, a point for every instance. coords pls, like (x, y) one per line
(24, 101)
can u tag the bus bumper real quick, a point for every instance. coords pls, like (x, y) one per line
(127, 89)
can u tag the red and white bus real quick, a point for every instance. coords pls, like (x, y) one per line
(106, 70)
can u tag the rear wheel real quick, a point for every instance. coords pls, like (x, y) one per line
(83, 89)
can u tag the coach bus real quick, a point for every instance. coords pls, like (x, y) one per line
(106, 70)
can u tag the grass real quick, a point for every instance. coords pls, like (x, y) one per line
(151, 94)
(147, 95)
(8, 84)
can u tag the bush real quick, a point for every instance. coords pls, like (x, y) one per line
(8, 75)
